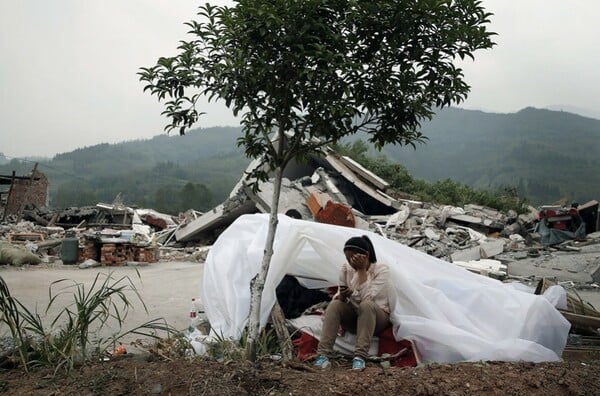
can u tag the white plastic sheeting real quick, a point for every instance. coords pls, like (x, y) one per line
(451, 314)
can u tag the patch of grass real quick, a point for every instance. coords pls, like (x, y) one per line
(228, 350)
(73, 336)
(267, 343)
(166, 348)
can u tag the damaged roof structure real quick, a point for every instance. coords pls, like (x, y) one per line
(342, 180)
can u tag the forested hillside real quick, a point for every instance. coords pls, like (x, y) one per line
(546, 155)
(167, 173)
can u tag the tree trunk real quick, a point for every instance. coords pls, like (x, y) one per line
(258, 282)
(285, 341)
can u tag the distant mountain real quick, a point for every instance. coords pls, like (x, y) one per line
(546, 155)
(576, 110)
(153, 172)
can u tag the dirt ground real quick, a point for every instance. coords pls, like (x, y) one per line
(137, 376)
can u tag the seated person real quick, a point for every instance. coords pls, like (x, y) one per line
(361, 305)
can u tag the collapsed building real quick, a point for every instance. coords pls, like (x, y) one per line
(20, 192)
(328, 188)
(335, 189)
(322, 179)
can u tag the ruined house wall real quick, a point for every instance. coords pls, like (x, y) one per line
(25, 191)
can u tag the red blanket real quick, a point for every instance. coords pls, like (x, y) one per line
(306, 348)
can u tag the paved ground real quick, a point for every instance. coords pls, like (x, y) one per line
(166, 287)
(580, 267)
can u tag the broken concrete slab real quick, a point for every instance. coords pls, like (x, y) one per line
(364, 186)
(431, 234)
(486, 267)
(291, 197)
(491, 248)
(221, 216)
(365, 173)
(464, 218)
(398, 218)
(466, 255)
(331, 188)
(579, 267)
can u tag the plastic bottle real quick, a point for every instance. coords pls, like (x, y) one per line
(193, 317)
(203, 324)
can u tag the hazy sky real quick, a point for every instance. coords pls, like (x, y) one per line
(68, 67)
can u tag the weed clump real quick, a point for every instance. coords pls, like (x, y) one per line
(73, 335)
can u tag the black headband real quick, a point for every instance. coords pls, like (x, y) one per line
(362, 244)
(355, 247)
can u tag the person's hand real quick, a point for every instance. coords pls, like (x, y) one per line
(343, 293)
(360, 262)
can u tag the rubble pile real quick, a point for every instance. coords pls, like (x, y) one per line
(449, 232)
(105, 234)
(332, 189)
(337, 190)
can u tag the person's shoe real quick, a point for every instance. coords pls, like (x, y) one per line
(322, 361)
(358, 363)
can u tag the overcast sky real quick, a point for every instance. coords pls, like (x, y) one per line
(68, 67)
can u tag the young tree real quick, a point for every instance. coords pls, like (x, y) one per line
(313, 71)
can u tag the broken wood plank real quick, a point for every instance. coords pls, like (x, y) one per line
(581, 320)
(52, 221)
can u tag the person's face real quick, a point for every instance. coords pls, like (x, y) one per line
(357, 260)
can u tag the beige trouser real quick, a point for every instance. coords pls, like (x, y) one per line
(366, 320)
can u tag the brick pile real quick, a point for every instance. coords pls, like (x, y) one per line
(88, 251)
(119, 254)
(116, 254)
(146, 254)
